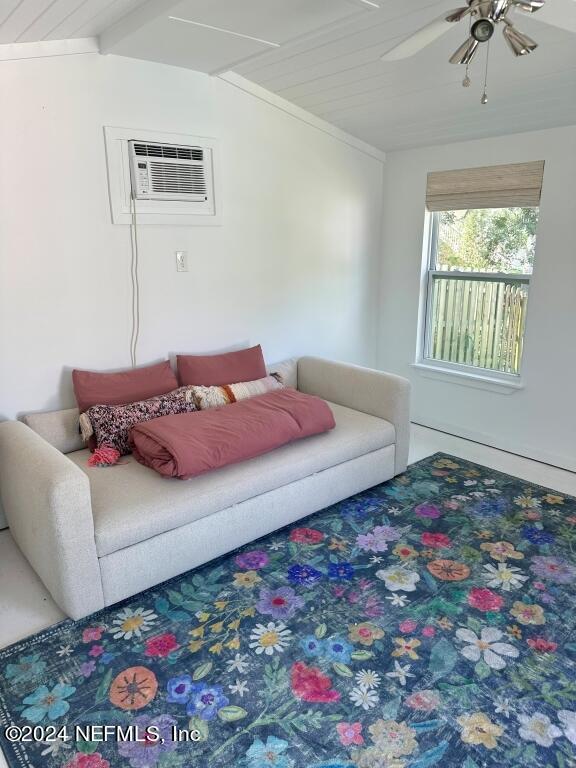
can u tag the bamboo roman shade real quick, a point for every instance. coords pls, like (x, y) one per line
(518, 185)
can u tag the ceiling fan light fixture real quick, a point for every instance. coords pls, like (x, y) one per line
(520, 44)
(482, 30)
(466, 52)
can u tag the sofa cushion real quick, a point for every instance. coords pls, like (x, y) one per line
(130, 503)
(59, 428)
(287, 370)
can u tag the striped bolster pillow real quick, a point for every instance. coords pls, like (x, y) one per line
(214, 397)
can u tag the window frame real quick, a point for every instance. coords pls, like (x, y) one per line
(429, 272)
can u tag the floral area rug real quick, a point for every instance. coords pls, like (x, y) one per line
(428, 621)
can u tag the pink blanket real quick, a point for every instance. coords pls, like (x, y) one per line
(188, 444)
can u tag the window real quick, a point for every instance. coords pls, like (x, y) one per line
(478, 271)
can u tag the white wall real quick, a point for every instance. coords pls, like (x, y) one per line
(294, 265)
(540, 420)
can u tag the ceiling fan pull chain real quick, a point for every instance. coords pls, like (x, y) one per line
(484, 99)
(467, 82)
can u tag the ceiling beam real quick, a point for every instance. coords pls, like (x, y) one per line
(140, 17)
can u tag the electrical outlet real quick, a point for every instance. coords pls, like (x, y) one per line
(182, 261)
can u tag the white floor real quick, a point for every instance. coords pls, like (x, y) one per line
(26, 607)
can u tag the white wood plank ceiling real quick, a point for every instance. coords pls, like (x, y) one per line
(23, 21)
(325, 56)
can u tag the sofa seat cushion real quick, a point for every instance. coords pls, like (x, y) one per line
(131, 503)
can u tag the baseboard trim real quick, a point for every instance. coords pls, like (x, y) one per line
(543, 457)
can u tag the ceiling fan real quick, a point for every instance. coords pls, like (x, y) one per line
(484, 16)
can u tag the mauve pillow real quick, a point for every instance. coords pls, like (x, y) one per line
(217, 370)
(94, 388)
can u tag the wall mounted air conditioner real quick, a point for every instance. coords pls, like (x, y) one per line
(173, 177)
(170, 172)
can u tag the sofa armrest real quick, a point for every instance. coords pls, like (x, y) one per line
(363, 389)
(46, 498)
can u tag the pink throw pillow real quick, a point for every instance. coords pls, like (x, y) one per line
(95, 388)
(218, 370)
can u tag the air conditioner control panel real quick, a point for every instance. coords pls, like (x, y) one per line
(142, 178)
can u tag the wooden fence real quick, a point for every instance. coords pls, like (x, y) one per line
(478, 322)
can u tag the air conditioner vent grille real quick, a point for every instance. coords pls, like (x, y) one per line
(177, 179)
(169, 151)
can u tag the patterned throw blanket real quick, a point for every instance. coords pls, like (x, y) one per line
(429, 621)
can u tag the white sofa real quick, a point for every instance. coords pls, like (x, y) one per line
(98, 535)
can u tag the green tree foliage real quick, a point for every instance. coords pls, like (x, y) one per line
(488, 239)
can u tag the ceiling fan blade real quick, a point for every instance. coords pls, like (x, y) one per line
(499, 9)
(458, 14)
(529, 6)
(425, 36)
(466, 52)
(559, 13)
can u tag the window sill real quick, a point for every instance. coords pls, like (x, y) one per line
(469, 379)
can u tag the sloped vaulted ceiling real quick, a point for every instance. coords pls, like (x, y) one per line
(325, 56)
